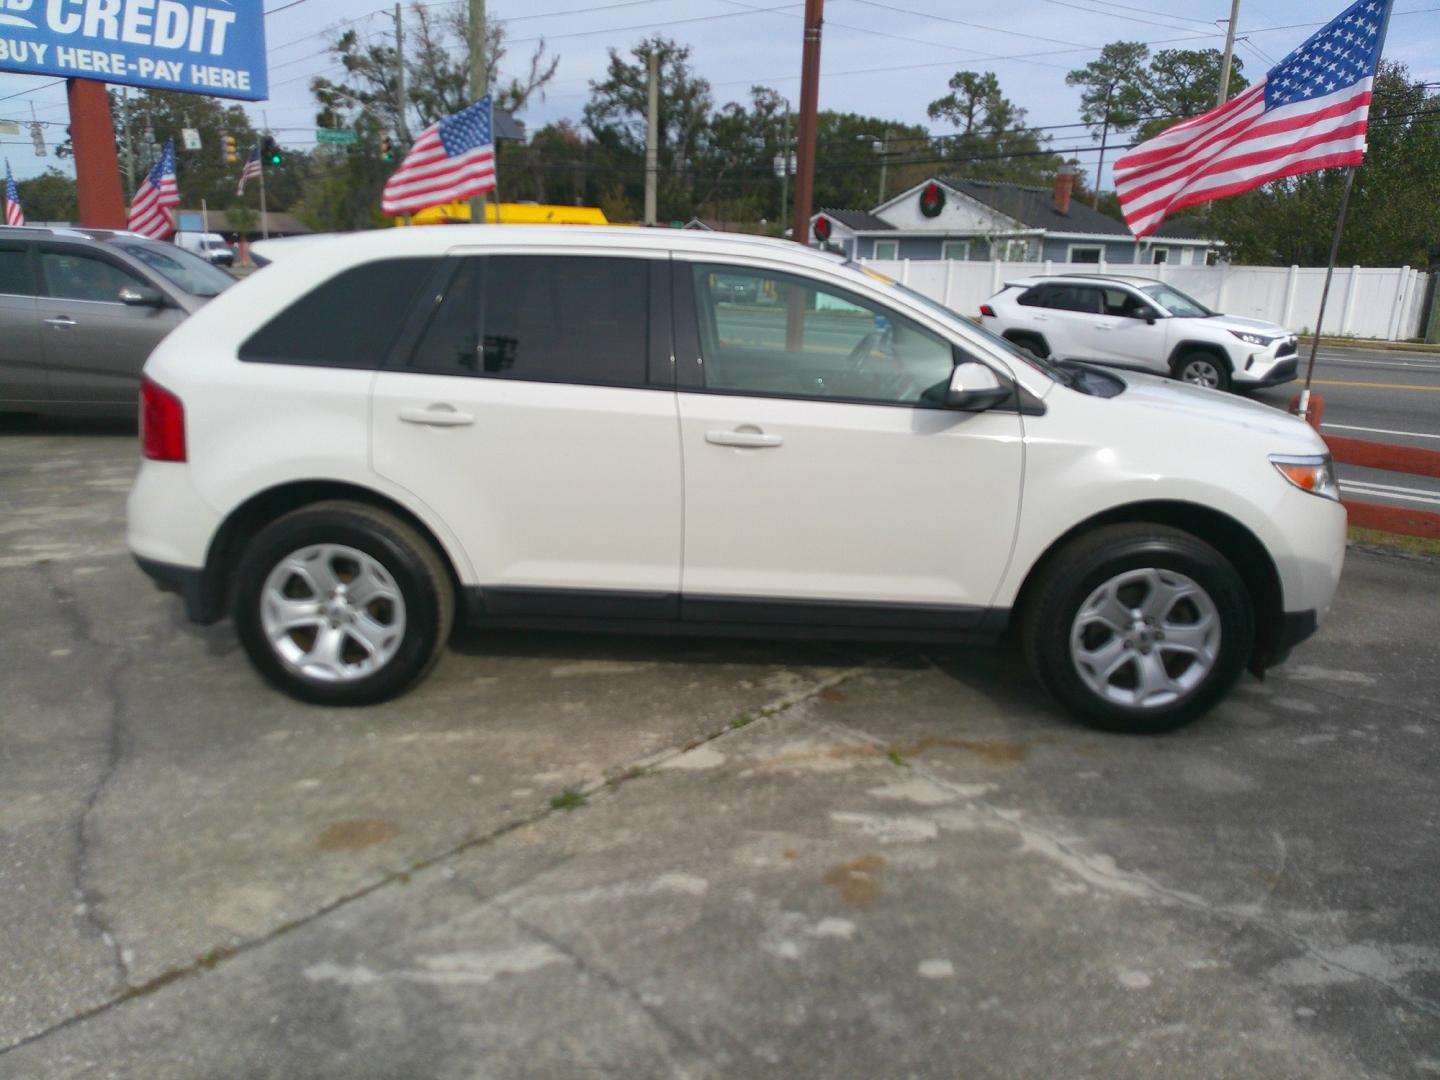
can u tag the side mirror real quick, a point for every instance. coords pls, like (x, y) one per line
(141, 296)
(1150, 317)
(974, 388)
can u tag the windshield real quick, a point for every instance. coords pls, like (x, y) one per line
(1176, 302)
(218, 245)
(183, 270)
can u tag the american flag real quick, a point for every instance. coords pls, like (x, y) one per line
(452, 160)
(156, 197)
(13, 214)
(251, 170)
(1310, 112)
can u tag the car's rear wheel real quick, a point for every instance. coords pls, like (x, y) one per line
(342, 604)
(1203, 369)
(1138, 628)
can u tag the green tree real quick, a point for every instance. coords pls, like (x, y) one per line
(1182, 83)
(49, 197)
(1115, 95)
(616, 117)
(1392, 219)
(993, 140)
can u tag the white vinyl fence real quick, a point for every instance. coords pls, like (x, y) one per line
(1380, 304)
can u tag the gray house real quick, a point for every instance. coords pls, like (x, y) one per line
(980, 220)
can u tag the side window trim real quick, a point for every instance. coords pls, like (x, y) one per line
(689, 363)
(422, 311)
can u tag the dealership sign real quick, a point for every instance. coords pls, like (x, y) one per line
(200, 46)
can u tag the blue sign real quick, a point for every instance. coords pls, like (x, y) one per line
(198, 46)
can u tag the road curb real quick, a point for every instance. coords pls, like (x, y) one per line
(1375, 346)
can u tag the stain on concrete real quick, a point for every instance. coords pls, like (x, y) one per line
(889, 830)
(1315, 673)
(935, 969)
(837, 757)
(702, 757)
(601, 667)
(356, 834)
(855, 880)
(831, 696)
(446, 969)
(1134, 980)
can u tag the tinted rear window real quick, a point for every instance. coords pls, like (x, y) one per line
(15, 272)
(350, 321)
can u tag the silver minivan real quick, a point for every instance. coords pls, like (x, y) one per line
(82, 309)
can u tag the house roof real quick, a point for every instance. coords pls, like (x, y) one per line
(1035, 207)
(858, 220)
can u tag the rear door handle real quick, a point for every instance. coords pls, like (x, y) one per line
(61, 322)
(753, 438)
(437, 416)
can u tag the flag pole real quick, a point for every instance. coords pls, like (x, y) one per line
(1303, 412)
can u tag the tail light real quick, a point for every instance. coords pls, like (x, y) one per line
(987, 311)
(162, 423)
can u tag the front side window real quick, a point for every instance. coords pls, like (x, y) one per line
(350, 321)
(182, 269)
(1176, 302)
(15, 272)
(74, 275)
(542, 318)
(788, 337)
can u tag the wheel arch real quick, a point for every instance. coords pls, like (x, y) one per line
(1240, 547)
(1186, 347)
(247, 519)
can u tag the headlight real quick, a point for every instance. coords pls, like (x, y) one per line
(1312, 473)
(1254, 339)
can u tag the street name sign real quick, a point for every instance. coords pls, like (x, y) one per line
(196, 46)
(336, 136)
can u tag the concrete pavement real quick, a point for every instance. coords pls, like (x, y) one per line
(566, 855)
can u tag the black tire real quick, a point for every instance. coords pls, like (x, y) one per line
(1072, 577)
(1189, 365)
(413, 567)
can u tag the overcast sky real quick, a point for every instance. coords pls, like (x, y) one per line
(886, 58)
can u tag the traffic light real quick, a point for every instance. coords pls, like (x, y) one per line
(232, 152)
(271, 150)
(387, 148)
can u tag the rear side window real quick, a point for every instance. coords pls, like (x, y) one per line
(351, 321)
(543, 318)
(15, 272)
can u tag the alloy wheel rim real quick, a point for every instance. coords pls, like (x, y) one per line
(332, 613)
(1202, 373)
(1146, 639)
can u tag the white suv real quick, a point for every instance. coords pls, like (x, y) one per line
(1142, 324)
(382, 433)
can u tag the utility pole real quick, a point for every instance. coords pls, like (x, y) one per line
(785, 171)
(884, 161)
(1104, 139)
(402, 101)
(809, 105)
(652, 142)
(1224, 95)
(479, 87)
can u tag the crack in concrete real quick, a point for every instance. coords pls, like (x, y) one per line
(1137, 884)
(117, 740)
(626, 774)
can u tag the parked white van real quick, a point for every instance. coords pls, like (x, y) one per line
(207, 245)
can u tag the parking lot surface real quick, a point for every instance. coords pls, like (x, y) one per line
(571, 856)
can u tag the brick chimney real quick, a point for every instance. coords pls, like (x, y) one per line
(1064, 188)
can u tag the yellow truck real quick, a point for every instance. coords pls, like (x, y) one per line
(510, 214)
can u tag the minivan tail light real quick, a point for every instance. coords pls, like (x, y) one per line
(162, 423)
(987, 311)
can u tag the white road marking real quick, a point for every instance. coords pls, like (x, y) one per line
(1424, 364)
(1387, 491)
(1382, 431)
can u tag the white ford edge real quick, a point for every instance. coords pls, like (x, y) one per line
(383, 433)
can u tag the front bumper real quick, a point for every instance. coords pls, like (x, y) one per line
(1278, 364)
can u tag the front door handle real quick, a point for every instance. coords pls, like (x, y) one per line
(61, 322)
(752, 438)
(437, 416)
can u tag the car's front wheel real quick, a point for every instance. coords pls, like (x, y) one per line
(1138, 628)
(1203, 369)
(342, 604)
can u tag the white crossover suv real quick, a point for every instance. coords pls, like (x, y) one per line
(381, 434)
(1143, 324)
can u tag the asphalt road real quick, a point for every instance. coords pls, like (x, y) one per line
(566, 856)
(1380, 396)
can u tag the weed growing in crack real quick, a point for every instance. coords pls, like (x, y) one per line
(567, 800)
